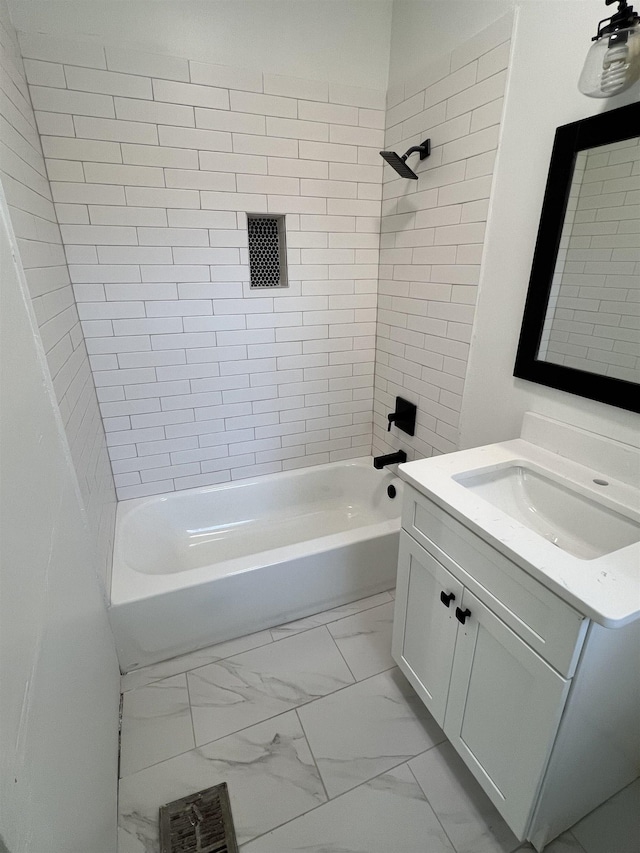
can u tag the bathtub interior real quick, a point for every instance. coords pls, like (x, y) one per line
(188, 530)
(311, 539)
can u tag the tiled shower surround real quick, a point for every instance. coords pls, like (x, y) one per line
(154, 163)
(432, 237)
(24, 179)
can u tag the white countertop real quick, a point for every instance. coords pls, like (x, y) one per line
(605, 589)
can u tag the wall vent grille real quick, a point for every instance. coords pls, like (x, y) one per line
(267, 251)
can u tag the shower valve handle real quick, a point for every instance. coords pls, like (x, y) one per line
(404, 416)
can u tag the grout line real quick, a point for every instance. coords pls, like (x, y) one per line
(295, 708)
(355, 680)
(579, 847)
(280, 825)
(161, 761)
(120, 719)
(324, 787)
(193, 727)
(194, 668)
(435, 813)
(204, 745)
(331, 621)
(339, 796)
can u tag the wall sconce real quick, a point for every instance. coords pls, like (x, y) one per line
(613, 62)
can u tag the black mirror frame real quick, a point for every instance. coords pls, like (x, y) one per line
(613, 126)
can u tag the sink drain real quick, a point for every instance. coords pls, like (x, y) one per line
(199, 823)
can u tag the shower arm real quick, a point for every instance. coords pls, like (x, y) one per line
(424, 149)
(416, 149)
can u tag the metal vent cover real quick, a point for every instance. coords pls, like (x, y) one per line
(199, 823)
(267, 250)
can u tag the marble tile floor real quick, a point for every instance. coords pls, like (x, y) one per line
(324, 746)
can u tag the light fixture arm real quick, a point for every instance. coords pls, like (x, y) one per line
(624, 18)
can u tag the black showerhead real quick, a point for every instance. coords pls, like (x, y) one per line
(400, 163)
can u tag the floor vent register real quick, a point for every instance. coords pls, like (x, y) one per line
(199, 823)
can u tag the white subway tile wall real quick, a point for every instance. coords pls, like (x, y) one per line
(155, 162)
(432, 238)
(595, 295)
(26, 186)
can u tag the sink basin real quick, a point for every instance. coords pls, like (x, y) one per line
(562, 504)
(579, 525)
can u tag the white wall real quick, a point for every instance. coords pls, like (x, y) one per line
(58, 669)
(550, 44)
(340, 41)
(423, 30)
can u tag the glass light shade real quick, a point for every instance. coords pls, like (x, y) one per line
(612, 64)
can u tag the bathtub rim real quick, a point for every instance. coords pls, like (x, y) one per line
(128, 585)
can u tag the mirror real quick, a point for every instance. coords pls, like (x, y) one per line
(581, 325)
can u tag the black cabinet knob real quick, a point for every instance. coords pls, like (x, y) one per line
(461, 615)
(447, 598)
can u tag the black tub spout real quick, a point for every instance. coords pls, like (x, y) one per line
(389, 459)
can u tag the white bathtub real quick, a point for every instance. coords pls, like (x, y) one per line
(198, 567)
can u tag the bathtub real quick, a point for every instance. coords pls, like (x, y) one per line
(201, 566)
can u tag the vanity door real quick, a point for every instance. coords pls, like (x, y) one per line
(424, 624)
(504, 707)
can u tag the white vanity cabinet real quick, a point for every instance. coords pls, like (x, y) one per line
(492, 653)
(503, 710)
(497, 700)
(424, 625)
